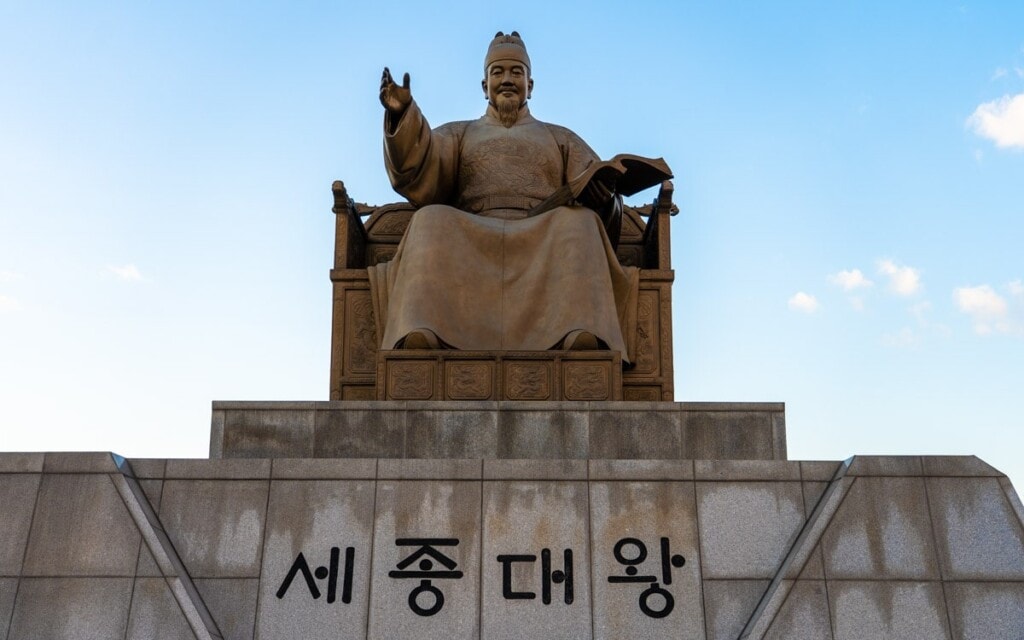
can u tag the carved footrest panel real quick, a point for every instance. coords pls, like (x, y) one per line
(499, 375)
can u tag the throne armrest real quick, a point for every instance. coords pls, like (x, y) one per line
(657, 241)
(349, 232)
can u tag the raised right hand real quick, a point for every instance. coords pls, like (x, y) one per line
(395, 98)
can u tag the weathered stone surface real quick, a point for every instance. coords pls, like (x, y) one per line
(535, 469)
(881, 531)
(818, 470)
(216, 525)
(263, 433)
(17, 501)
(646, 512)
(81, 527)
(21, 462)
(886, 466)
(8, 587)
(148, 468)
(79, 462)
(156, 614)
(641, 469)
(71, 609)
(804, 615)
(324, 469)
(147, 565)
(758, 470)
(534, 519)
(983, 610)
(321, 520)
(715, 435)
(451, 469)
(887, 610)
(746, 528)
(977, 532)
(360, 433)
(957, 466)
(232, 604)
(451, 434)
(195, 469)
(728, 605)
(552, 433)
(635, 434)
(426, 510)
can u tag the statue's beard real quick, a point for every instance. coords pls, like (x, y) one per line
(508, 111)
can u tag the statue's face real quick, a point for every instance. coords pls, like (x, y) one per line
(507, 81)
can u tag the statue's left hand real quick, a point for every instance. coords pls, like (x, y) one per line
(396, 99)
(597, 194)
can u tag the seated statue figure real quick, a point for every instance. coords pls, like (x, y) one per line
(479, 268)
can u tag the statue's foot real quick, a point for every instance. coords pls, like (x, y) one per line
(421, 339)
(581, 341)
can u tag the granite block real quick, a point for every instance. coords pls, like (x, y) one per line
(84, 462)
(216, 526)
(880, 610)
(192, 606)
(641, 469)
(534, 520)
(8, 588)
(232, 604)
(728, 605)
(804, 615)
(779, 451)
(198, 469)
(17, 502)
(635, 435)
(957, 466)
(21, 462)
(148, 468)
(324, 522)
(147, 565)
(881, 531)
(747, 528)
(814, 568)
(360, 434)
(429, 469)
(155, 613)
(324, 469)
(727, 435)
(1014, 499)
(542, 434)
(746, 470)
(886, 466)
(71, 609)
(285, 433)
(647, 512)
(81, 528)
(977, 532)
(980, 610)
(818, 470)
(535, 469)
(438, 511)
(451, 434)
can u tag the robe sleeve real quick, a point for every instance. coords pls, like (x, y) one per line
(422, 164)
(576, 154)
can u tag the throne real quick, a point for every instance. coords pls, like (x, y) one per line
(360, 370)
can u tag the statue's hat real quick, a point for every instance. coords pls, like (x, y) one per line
(506, 47)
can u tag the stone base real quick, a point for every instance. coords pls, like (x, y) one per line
(93, 546)
(499, 430)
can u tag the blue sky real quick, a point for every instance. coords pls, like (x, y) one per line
(850, 178)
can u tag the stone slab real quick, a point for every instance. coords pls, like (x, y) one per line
(155, 613)
(499, 430)
(21, 462)
(986, 609)
(881, 531)
(329, 524)
(216, 525)
(804, 615)
(17, 503)
(641, 469)
(71, 609)
(232, 603)
(746, 528)
(79, 462)
(728, 605)
(880, 610)
(81, 527)
(8, 589)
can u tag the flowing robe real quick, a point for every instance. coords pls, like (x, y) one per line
(472, 267)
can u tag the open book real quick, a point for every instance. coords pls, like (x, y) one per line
(624, 174)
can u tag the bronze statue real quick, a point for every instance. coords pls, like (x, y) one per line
(500, 255)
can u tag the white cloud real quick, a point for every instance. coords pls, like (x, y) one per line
(10, 276)
(999, 73)
(128, 272)
(988, 309)
(1016, 288)
(1001, 121)
(850, 280)
(903, 280)
(804, 302)
(9, 304)
(904, 339)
